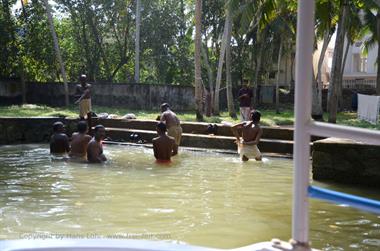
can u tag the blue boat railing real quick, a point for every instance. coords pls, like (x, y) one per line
(358, 202)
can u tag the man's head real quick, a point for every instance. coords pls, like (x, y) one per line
(255, 116)
(161, 128)
(99, 132)
(245, 83)
(82, 127)
(164, 107)
(83, 79)
(58, 127)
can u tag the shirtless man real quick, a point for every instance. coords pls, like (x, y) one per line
(83, 93)
(59, 142)
(163, 144)
(95, 148)
(79, 142)
(251, 134)
(172, 124)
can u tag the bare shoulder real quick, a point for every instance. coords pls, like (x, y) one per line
(87, 137)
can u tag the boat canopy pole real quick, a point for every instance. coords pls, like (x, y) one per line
(304, 53)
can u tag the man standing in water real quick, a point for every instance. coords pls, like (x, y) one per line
(79, 142)
(251, 134)
(163, 145)
(172, 124)
(83, 93)
(59, 142)
(244, 96)
(95, 147)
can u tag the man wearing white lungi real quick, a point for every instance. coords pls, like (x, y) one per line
(251, 133)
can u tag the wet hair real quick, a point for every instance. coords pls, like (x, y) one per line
(165, 106)
(161, 127)
(96, 128)
(83, 76)
(82, 126)
(255, 115)
(57, 125)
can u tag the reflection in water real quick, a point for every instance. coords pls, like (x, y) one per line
(201, 198)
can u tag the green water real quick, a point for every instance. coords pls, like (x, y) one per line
(202, 198)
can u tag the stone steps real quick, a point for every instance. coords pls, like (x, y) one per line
(203, 141)
(279, 133)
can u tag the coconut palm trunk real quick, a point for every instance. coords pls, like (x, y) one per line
(57, 50)
(336, 77)
(317, 110)
(137, 42)
(197, 60)
(230, 98)
(220, 68)
(278, 78)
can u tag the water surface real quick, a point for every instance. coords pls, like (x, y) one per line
(202, 198)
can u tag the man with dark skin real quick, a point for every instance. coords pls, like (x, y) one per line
(251, 134)
(59, 142)
(172, 124)
(83, 95)
(244, 96)
(79, 142)
(163, 144)
(95, 147)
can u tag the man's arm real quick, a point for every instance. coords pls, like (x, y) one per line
(85, 93)
(235, 129)
(162, 117)
(67, 144)
(155, 149)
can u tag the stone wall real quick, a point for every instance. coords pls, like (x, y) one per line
(31, 130)
(133, 96)
(346, 161)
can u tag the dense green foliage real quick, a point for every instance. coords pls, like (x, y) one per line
(98, 38)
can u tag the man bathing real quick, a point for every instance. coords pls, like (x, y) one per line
(95, 147)
(251, 134)
(79, 142)
(163, 145)
(59, 142)
(172, 124)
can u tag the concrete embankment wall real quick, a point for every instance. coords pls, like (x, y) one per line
(34, 130)
(346, 161)
(144, 96)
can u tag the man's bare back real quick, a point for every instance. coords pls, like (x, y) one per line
(170, 118)
(250, 131)
(163, 147)
(79, 144)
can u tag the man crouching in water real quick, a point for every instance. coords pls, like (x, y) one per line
(79, 142)
(95, 148)
(163, 144)
(172, 124)
(251, 134)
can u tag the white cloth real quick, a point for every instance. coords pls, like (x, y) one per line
(249, 151)
(368, 108)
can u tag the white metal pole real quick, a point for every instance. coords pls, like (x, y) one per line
(304, 66)
(57, 50)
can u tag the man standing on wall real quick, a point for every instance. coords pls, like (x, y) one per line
(244, 96)
(83, 93)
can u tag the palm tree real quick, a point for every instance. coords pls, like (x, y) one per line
(137, 42)
(326, 19)
(230, 98)
(197, 60)
(372, 29)
(57, 50)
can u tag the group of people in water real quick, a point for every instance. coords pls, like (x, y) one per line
(83, 147)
